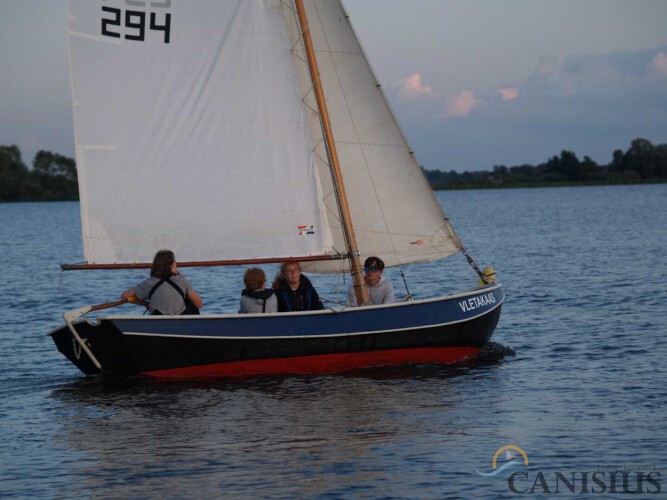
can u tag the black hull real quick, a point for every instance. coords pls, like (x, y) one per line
(180, 355)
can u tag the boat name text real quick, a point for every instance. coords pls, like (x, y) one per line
(475, 302)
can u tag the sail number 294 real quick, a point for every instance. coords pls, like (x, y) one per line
(133, 24)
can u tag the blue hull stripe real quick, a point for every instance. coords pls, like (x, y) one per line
(347, 322)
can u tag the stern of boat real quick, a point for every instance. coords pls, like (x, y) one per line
(103, 343)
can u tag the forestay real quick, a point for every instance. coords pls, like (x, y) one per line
(191, 133)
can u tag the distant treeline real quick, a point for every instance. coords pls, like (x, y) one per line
(641, 163)
(51, 178)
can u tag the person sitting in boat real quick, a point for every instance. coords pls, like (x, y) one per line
(255, 298)
(294, 290)
(167, 291)
(381, 291)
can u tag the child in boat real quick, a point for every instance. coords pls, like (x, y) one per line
(294, 290)
(255, 298)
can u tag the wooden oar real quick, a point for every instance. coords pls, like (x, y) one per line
(107, 305)
(132, 299)
(70, 316)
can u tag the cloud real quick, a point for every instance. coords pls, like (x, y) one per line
(412, 88)
(612, 75)
(658, 65)
(588, 104)
(508, 93)
(462, 104)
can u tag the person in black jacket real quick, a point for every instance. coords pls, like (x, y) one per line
(294, 290)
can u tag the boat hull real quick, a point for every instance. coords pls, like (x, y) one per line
(442, 330)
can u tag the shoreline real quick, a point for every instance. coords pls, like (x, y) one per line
(459, 187)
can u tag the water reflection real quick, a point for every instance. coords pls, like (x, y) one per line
(157, 436)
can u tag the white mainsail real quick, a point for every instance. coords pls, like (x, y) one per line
(197, 130)
(192, 137)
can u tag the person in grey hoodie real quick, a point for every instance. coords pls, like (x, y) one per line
(382, 291)
(255, 298)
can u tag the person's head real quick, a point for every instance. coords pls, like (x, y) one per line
(291, 271)
(254, 279)
(373, 267)
(164, 264)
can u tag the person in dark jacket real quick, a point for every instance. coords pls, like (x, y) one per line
(294, 290)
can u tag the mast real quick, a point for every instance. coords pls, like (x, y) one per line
(346, 222)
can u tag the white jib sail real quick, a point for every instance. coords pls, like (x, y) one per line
(394, 211)
(191, 133)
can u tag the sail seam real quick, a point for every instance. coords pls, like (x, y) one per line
(95, 38)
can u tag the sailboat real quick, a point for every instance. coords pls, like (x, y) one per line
(242, 132)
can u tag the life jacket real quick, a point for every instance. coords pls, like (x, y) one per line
(259, 295)
(189, 306)
(307, 298)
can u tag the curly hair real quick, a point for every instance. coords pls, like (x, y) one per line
(254, 278)
(281, 273)
(162, 263)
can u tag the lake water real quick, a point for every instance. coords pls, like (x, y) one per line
(576, 377)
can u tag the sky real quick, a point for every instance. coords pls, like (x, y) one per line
(473, 83)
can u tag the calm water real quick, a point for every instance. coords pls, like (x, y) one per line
(585, 276)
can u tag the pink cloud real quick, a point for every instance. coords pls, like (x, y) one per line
(462, 104)
(659, 64)
(412, 87)
(508, 93)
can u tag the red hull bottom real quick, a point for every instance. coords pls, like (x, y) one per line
(323, 363)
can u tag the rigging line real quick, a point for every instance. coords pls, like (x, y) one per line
(354, 125)
(310, 107)
(298, 56)
(346, 238)
(405, 282)
(472, 263)
(315, 110)
(286, 4)
(318, 155)
(310, 91)
(450, 229)
(361, 290)
(311, 88)
(299, 43)
(338, 189)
